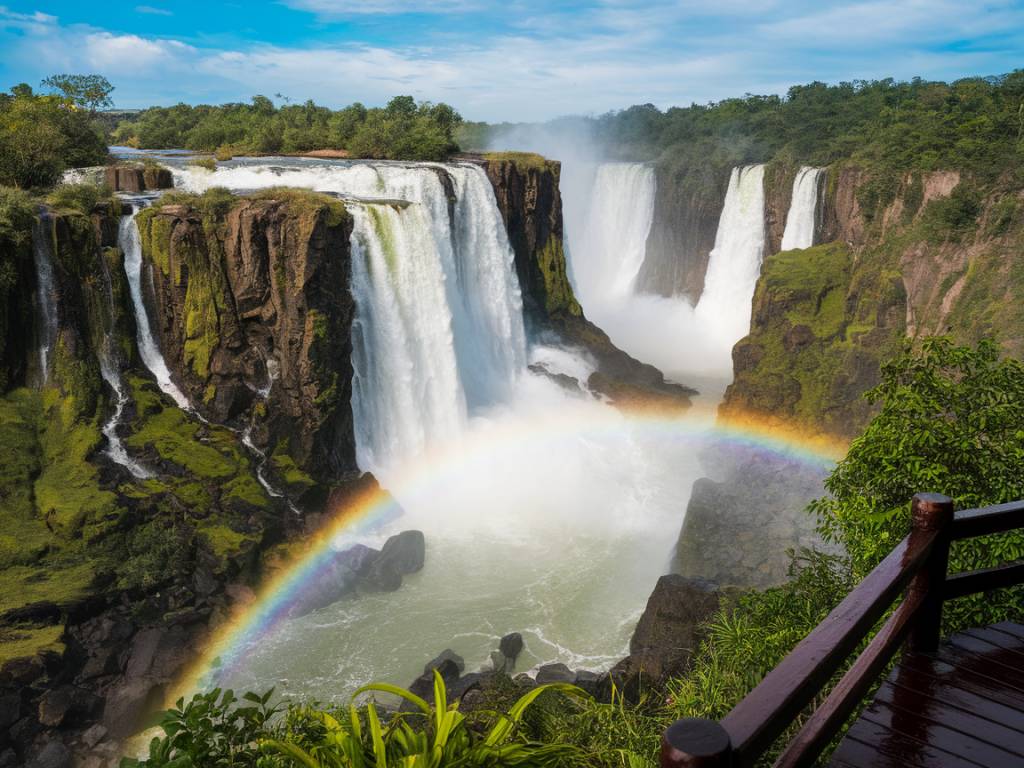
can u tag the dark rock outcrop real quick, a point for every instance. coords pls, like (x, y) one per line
(668, 633)
(526, 188)
(257, 297)
(137, 177)
(687, 206)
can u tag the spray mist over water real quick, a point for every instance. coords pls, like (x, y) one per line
(558, 534)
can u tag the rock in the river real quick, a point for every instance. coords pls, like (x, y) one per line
(555, 673)
(401, 555)
(405, 551)
(668, 632)
(446, 655)
(511, 645)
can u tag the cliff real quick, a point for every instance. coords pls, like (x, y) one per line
(903, 257)
(687, 205)
(526, 188)
(251, 295)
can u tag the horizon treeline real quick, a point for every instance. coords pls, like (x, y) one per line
(404, 129)
(975, 124)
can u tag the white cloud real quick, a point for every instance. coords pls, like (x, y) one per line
(336, 9)
(541, 63)
(153, 11)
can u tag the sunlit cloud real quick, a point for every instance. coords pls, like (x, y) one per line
(529, 60)
(153, 11)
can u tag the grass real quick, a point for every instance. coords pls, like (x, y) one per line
(524, 161)
(54, 582)
(26, 641)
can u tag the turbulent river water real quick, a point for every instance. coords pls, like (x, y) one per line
(544, 512)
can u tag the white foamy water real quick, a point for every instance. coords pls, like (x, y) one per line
(42, 254)
(723, 312)
(129, 242)
(544, 511)
(115, 445)
(802, 218)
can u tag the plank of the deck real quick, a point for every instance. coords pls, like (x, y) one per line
(962, 706)
(983, 699)
(871, 744)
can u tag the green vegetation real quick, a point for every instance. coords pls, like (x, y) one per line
(41, 136)
(402, 130)
(524, 161)
(952, 420)
(217, 729)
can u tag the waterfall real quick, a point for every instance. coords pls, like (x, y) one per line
(803, 207)
(42, 252)
(614, 241)
(110, 370)
(131, 246)
(724, 308)
(439, 328)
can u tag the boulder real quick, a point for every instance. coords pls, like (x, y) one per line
(405, 551)
(10, 710)
(423, 686)
(446, 655)
(555, 673)
(668, 632)
(53, 755)
(54, 705)
(511, 645)
(591, 682)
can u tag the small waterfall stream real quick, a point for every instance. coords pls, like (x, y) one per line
(802, 218)
(129, 242)
(42, 253)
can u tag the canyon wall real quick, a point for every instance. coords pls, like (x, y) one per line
(254, 315)
(526, 188)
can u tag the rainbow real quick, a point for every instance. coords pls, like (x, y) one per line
(366, 513)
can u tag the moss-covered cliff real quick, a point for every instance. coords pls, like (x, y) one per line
(904, 256)
(252, 295)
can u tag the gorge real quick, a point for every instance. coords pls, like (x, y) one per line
(430, 323)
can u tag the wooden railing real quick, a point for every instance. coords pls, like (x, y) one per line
(916, 568)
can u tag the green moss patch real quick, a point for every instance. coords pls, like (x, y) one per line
(19, 641)
(524, 161)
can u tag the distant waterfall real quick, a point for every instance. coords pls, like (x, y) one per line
(802, 216)
(129, 242)
(612, 247)
(42, 252)
(724, 308)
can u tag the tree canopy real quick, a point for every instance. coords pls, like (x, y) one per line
(91, 92)
(41, 136)
(402, 130)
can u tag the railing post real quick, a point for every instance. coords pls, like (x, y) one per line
(930, 512)
(695, 742)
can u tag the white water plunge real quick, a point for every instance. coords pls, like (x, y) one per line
(42, 253)
(802, 218)
(724, 309)
(129, 242)
(544, 513)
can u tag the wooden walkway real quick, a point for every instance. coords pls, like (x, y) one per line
(961, 706)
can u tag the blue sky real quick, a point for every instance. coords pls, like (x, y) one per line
(516, 60)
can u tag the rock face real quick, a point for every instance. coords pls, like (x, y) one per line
(893, 263)
(668, 632)
(134, 177)
(255, 297)
(740, 527)
(526, 188)
(687, 206)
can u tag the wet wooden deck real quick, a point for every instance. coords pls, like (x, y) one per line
(961, 706)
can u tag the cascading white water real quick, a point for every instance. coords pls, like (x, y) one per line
(115, 446)
(803, 207)
(439, 330)
(544, 512)
(131, 246)
(406, 389)
(615, 240)
(42, 253)
(724, 308)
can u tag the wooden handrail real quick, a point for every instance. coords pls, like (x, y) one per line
(918, 564)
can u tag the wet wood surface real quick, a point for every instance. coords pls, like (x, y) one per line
(961, 706)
